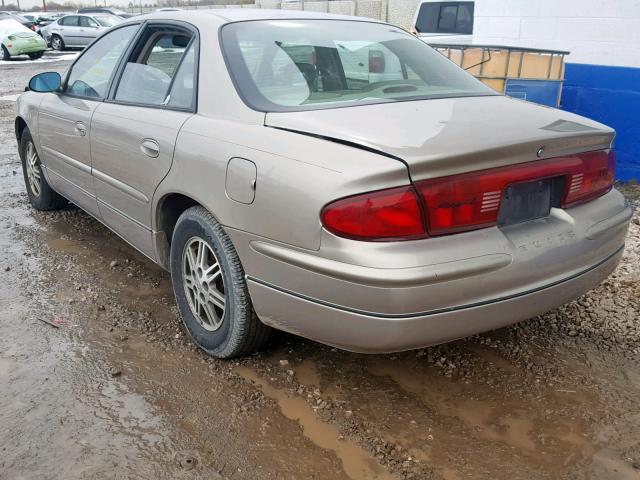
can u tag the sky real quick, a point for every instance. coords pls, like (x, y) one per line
(27, 4)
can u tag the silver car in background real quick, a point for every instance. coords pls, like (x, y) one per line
(330, 176)
(77, 30)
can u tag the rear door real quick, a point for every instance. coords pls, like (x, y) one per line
(134, 132)
(64, 118)
(89, 30)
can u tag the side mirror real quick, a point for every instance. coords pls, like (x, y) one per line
(45, 82)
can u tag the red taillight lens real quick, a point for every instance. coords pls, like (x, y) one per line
(463, 202)
(472, 200)
(594, 179)
(392, 214)
(377, 62)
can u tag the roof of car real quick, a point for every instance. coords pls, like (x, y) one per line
(226, 15)
(87, 14)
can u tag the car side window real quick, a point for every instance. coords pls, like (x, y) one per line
(184, 83)
(445, 17)
(70, 21)
(149, 74)
(90, 75)
(88, 22)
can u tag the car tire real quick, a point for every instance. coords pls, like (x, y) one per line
(57, 43)
(41, 195)
(238, 331)
(4, 53)
(36, 55)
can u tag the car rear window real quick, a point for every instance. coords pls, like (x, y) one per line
(445, 17)
(283, 65)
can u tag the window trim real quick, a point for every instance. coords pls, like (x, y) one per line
(110, 81)
(119, 71)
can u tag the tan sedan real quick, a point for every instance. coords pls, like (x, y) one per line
(329, 176)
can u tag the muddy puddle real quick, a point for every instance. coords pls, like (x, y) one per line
(356, 462)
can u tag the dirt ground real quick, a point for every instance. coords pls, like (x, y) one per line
(118, 392)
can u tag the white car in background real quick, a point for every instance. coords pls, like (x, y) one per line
(444, 22)
(77, 30)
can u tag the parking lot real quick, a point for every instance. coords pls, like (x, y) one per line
(98, 379)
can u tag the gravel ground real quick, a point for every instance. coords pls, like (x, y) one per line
(117, 390)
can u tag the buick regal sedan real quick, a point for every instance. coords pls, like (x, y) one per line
(329, 176)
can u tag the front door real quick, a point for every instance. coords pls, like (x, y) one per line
(64, 118)
(64, 146)
(134, 133)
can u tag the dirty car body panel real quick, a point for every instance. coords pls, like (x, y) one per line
(267, 165)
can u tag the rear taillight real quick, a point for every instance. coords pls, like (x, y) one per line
(594, 179)
(392, 214)
(463, 202)
(377, 62)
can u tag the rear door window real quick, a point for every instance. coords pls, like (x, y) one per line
(88, 22)
(445, 17)
(182, 94)
(149, 74)
(70, 21)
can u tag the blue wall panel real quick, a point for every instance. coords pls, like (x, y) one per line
(610, 95)
(544, 92)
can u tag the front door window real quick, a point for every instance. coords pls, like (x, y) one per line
(90, 75)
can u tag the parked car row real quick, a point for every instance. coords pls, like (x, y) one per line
(78, 30)
(58, 30)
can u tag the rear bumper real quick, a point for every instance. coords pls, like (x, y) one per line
(369, 333)
(21, 49)
(389, 296)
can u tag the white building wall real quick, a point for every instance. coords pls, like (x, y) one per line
(601, 32)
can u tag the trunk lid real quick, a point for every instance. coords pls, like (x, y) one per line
(448, 136)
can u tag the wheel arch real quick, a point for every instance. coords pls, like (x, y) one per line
(168, 208)
(20, 125)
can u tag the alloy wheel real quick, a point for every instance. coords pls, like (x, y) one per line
(56, 43)
(203, 283)
(33, 170)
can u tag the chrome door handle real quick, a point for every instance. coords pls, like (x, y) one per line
(81, 129)
(150, 147)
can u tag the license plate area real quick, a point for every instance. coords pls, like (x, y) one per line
(526, 201)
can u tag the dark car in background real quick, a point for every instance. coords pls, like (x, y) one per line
(39, 19)
(31, 25)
